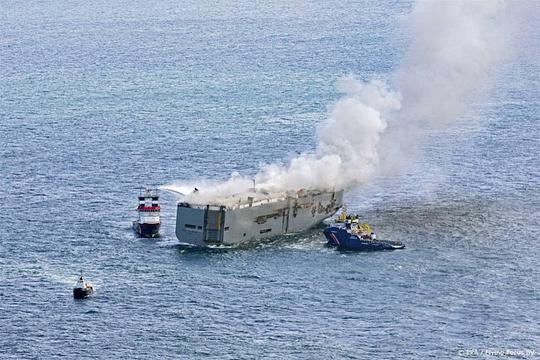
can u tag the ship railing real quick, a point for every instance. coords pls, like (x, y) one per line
(239, 205)
(199, 206)
(257, 203)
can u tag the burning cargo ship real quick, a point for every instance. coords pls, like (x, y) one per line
(253, 215)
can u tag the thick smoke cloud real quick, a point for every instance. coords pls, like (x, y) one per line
(346, 153)
(372, 129)
(454, 46)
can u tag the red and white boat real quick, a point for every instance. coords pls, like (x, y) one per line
(149, 222)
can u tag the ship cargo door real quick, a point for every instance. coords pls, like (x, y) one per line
(214, 219)
(285, 219)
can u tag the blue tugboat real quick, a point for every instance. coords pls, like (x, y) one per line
(342, 239)
(348, 234)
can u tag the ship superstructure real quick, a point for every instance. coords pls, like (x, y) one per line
(148, 223)
(253, 215)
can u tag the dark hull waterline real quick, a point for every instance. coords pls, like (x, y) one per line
(79, 293)
(146, 230)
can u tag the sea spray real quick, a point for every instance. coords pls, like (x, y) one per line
(454, 46)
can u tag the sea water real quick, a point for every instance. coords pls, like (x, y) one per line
(99, 98)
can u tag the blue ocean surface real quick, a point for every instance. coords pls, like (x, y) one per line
(99, 98)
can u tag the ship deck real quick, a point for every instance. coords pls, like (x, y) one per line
(244, 200)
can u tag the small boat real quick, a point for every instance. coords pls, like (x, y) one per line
(82, 289)
(345, 239)
(148, 223)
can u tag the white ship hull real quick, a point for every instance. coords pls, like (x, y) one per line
(203, 225)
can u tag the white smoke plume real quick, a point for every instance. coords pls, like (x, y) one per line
(454, 46)
(346, 153)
